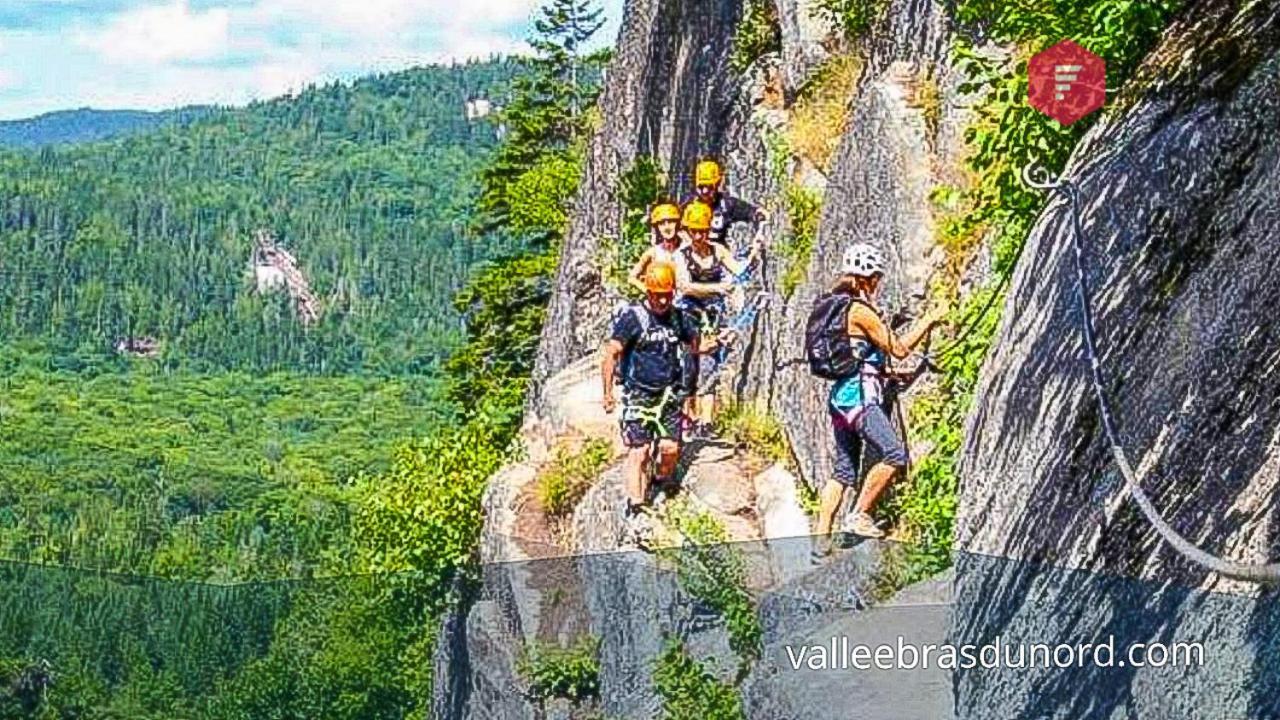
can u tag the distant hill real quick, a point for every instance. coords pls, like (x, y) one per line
(370, 185)
(86, 125)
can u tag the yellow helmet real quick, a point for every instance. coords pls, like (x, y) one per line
(660, 277)
(707, 173)
(697, 216)
(663, 212)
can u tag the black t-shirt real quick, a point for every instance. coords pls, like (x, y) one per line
(651, 360)
(727, 211)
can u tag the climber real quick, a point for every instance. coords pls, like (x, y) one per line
(727, 210)
(704, 273)
(646, 343)
(847, 341)
(664, 219)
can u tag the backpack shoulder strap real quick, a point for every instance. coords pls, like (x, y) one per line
(642, 316)
(642, 319)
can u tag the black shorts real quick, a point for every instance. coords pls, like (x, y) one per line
(641, 423)
(870, 426)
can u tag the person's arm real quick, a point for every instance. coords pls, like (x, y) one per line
(626, 328)
(735, 266)
(636, 279)
(865, 323)
(609, 356)
(686, 285)
(746, 212)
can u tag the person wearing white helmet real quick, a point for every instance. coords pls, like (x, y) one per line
(857, 358)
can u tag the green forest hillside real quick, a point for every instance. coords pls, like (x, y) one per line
(370, 186)
(232, 450)
(306, 494)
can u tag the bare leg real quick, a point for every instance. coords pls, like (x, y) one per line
(707, 409)
(634, 475)
(878, 479)
(832, 495)
(668, 454)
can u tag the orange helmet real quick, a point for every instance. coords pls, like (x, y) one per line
(663, 212)
(707, 173)
(660, 277)
(697, 216)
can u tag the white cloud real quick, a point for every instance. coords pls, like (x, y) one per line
(382, 20)
(165, 53)
(8, 79)
(282, 76)
(162, 33)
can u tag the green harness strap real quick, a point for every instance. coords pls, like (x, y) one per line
(651, 416)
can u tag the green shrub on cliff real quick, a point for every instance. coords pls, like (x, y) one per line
(712, 570)
(757, 35)
(569, 673)
(569, 476)
(851, 18)
(688, 690)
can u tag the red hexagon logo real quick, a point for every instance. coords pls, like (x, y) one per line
(1067, 82)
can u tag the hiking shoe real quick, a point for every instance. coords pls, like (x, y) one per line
(821, 549)
(659, 496)
(639, 531)
(860, 523)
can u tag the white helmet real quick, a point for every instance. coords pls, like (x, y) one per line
(862, 259)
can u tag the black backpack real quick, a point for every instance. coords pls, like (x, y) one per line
(831, 353)
(646, 372)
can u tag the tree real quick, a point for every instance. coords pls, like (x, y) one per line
(545, 115)
(525, 193)
(565, 25)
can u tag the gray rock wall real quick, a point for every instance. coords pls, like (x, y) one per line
(890, 159)
(804, 35)
(1180, 213)
(668, 94)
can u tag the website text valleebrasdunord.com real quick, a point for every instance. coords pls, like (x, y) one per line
(841, 654)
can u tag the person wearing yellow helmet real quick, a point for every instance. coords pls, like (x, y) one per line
(708, 179)
(647, 350)
(664, 219)
(704, 278)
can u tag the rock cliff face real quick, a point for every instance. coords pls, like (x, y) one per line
(804, 40)
(1179, 194)
(668, 95)
(903, 140)
(1184, 290)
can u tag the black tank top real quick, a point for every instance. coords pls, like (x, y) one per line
(700, 274)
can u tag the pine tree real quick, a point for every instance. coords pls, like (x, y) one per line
(545, 116)
(525, 194)
(565, 25)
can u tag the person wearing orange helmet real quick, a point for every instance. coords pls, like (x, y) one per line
(647, 350)
(664, 219)
(704, 278)
(727, 210)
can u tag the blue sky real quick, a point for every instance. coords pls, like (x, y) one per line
(154, 54)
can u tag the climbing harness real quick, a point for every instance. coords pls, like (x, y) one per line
(1038, 178)
(651, 416)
